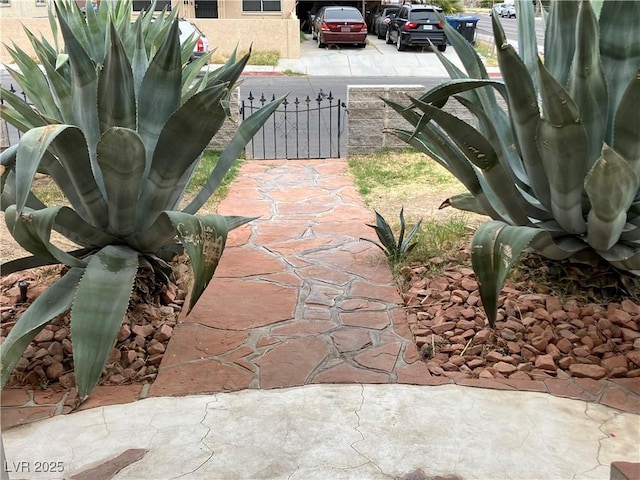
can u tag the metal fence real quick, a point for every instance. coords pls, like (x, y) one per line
(302, 128)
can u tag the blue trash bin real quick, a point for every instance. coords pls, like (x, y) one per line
(465, 25)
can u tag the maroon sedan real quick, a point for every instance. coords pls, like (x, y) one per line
(339, 25)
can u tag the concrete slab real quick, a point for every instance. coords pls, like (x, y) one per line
(336, 432)
(377, 59)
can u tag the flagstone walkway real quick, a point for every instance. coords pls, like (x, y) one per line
(298, 298)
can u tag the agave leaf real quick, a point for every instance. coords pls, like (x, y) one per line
(121, 157)
(561, 30)
(494, 249)
(116, 92)
(58, 80)
(440, 148)
(204, 238)
(525, 115)
(562, 141)
(402, 227)
(12, 117)
(140, 60)
(438, 95)
(619, 51)
(32, 231)
(194, 123)
(246, 130)
(385, 249)
(33, 82)
(611, 185)
(53, 24)
(30, 151)
(559, 248)
(72, 226)
(97, 35)
(235, 221)
(452, 69)
(624, 257)
(626, 125)
(475, 68)
(511, 162)
(527, 41)
(587, 83)
(33, 261)
(98, 309)
(468, 57)
(481, 153)
(69, 144)
(159, 94)
(463, 201)
(385, 234)
(406, 246)
(190, 75)
(51, 303)
(84, 87)
(8, 196)
(27, 115)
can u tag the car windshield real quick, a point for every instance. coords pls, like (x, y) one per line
(342, 14)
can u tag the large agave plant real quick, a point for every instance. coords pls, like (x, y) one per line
(120, 129)
(558, 170)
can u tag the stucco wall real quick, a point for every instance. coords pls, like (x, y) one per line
(23, 8)
(282, 35)
(12, 31)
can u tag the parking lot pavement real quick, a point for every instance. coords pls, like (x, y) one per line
(376, 59)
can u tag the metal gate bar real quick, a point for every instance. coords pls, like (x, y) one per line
(296, 125)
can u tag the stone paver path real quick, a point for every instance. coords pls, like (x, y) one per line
(298, 298)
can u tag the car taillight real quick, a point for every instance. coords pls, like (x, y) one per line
(324, 27)
(387, 21)
(439, 25)
(200, 45)
(410, 25)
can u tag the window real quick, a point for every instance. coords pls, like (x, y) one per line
(141, 5)
(261, 5)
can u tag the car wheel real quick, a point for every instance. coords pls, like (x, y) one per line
(442, 48)
(388, 36)
(401, 47)
(314, 35)
(320, 43)
(380, 34)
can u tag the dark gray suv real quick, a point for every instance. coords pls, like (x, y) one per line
(415, 25)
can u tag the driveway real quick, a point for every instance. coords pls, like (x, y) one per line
(377, 59)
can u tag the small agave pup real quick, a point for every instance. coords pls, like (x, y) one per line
(559, 170)
(393, 249)
(120, 131)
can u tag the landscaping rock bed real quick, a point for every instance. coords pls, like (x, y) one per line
(537, 335)
(140, 343)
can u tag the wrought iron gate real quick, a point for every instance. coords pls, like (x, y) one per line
(307, 128)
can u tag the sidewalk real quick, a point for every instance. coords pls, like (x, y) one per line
(298, 363)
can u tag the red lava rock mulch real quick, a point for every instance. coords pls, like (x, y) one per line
(537, 336)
